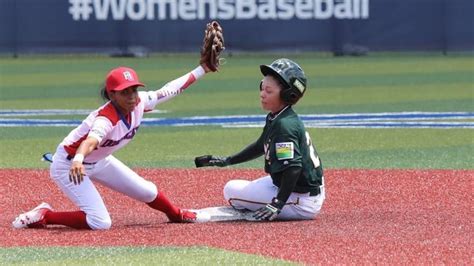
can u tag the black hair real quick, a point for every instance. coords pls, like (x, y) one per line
(103, 94)
(283, 85)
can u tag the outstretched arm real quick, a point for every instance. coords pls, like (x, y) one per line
(177, 86)
(212, 47)
(173, 88)
(250, 152)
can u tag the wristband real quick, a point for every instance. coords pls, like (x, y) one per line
(198, 72)
(78, 158)
(278, 203)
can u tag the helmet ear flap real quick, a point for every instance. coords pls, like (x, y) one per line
(289, 96)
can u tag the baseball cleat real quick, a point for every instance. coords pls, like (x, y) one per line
(188, 216)
(47, 157)
(33, 218)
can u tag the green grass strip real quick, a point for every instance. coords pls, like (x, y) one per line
(339, 148)
(131, 256)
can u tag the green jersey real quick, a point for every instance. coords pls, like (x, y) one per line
(286, 143)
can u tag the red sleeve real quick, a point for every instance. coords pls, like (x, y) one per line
(110, 113)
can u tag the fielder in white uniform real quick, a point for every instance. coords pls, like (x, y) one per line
(85, 156)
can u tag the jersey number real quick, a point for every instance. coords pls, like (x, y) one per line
(312, 152)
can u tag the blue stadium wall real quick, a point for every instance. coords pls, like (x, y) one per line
(28, 26)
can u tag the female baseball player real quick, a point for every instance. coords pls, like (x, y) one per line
(294, 188)
(85, 156)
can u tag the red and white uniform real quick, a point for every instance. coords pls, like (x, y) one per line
(113, 131)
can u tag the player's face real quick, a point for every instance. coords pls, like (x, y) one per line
(270, 95)
(125, 99)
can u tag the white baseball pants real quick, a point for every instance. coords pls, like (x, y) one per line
(252, 195)
(109, 172)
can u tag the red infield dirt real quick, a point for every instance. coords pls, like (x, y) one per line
(376, 216)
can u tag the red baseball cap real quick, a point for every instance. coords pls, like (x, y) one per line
(121, 78)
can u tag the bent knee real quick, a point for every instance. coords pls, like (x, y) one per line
(147, 193)
(96, 222)
(233, 188)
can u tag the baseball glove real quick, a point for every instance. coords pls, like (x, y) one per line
(213, 45)
(211, 160)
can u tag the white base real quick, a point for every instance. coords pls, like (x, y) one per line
(227, 213)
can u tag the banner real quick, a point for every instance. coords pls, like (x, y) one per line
(340, 26)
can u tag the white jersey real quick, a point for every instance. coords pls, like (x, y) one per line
(113, 130)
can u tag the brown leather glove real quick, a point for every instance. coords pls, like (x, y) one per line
(213, 45)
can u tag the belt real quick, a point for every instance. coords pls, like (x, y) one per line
(69, 157)
(315, 192)
(312, 192)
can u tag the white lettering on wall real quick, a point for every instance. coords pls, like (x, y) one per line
(218, 9)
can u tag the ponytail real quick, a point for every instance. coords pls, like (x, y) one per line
(104, 95)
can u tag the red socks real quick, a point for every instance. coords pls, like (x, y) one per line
(75, 219)
(163, 204)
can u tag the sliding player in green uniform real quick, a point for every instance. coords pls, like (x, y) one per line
(294, 186)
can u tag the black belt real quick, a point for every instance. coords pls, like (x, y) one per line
(312, 192)
(69, 157)
(315, 192)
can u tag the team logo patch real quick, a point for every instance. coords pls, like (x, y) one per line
(284, 150)
(299, 85)
(128, 76)
(98, 133)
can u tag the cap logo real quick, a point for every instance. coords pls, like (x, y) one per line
(127, 75)
(298, 85)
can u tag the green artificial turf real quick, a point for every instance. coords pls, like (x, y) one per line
(338, 148)
(377, 83)
(131, 256)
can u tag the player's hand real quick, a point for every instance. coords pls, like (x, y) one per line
(206, 68)
(77, 173)
(211, 160)
(269, 212)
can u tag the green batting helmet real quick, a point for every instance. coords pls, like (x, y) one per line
(291, 75)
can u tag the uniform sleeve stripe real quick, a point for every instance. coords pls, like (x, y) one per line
(72, 148)
(110, 113)
(190, 81)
